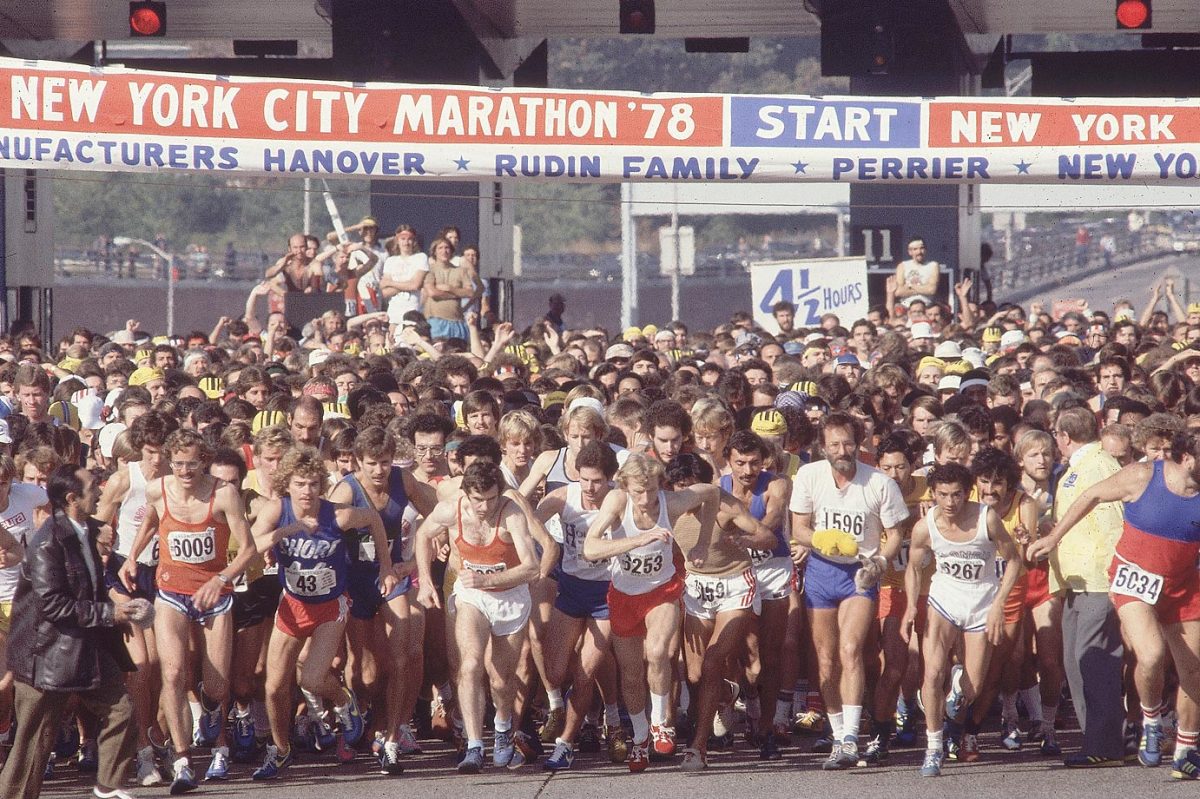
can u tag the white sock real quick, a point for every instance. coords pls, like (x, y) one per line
(641, 727)
(852, 715)
(197, 711)
(612, 715)
(838, 725)
(474, 743)
(933, 741)
(502, 725)
(1008, 701)
(658, 708)
(556, 698)
(1032, 697)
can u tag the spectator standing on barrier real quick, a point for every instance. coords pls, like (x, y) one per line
(445, 286)
(404, 274)
(917, 278)
(554, 317)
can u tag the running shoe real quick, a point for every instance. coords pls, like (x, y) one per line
(770, 748)
(472, 762)
(210, 720)
(834, 761)
(114, 793)
(561, 759)
(526, 749)
(810, 722)
(1150, 748)
(589, 738)
(932, 765)
(877, 750)
(1081, 760)
(823, 745)
(244, 740)
(906, 729)
(556, 719)
(147, 769)
(955, 699)
(848, 753)
(617, 742)
(218, 768)
(664, 739)
(1049, 746)
(89, 757)
(1011, 738)
(639, 756)
(350, 719)
(408, 740)
(344, 752)
(1186, 767)
(322, 735)
(502, 749)
(968, 751)
(184, 779)
(693, 760)
(302, 734)
(272, 765)
(389, 759)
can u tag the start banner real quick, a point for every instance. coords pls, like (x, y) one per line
(66, 116)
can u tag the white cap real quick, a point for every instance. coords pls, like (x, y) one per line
(946, 350)
(974, 356)
(108, 434)
(921, 330)
(949, 383)
(90, 409)
(811, 337)
(587, 402)
(318, 357)
(1012, 338)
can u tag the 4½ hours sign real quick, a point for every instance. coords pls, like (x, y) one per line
(816, 286)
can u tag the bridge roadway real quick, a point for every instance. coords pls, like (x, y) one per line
(739, 774)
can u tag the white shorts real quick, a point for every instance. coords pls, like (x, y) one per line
(966, 608)
(705, 596)
(775, 578)
(506, 611)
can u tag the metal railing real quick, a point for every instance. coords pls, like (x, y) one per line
(1043, 257)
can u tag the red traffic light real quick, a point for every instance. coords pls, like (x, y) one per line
(637, 16)
(1133, 14)
(147, 18)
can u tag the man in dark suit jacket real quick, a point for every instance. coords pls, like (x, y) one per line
(64, 641)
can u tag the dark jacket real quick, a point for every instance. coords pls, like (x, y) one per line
(63, 636)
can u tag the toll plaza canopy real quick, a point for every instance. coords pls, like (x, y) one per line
(65, 116)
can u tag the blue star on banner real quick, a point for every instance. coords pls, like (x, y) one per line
(461, 163)
(1022, 168)
(800, 168)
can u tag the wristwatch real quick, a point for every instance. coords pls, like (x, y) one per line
(223, 579)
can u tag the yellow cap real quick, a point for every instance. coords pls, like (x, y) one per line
(958, 368)
(144, 375)
(143, 355)
(650, 331)
(268, 419)
(353, 348)
(929, 360)
(65, 413)
(1193, 307)
(632, 334)
(992, 334)
(160, 340)
(213, 387)
(336, 410)
(554, 398)
(769, 422)
(69, 364)
(804, 387)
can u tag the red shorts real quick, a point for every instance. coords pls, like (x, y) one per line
(627, 612)
(1037, 585)
(1014, 606)
(1179, 600)
(893, 602)
(300, 619)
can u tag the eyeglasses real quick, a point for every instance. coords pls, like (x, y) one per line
(431, 450)
(185, 466)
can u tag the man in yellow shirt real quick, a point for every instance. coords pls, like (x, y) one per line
(1092, 647)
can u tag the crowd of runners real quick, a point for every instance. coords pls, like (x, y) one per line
(412, 521)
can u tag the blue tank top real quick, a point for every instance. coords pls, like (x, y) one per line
(1162, 513)
(313, 567)
(758, 509)
(363, 549)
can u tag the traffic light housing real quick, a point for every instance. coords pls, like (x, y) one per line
(147, 18)
(1134, 15)
(637, 16)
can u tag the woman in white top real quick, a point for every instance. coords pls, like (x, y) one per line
(403, 275)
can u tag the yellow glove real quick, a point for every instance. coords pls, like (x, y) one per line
(835, 542)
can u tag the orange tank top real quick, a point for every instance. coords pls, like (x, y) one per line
(495, 556)
(190, 553)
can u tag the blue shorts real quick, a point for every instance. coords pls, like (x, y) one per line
(183, 604)
(582, 599)
(828, 584)
(366, 598)
(448, 328)
(143, 581)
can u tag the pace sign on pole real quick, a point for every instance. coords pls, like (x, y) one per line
(815, 286)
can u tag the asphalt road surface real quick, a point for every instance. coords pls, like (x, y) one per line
(1132, 282)
(737, 775)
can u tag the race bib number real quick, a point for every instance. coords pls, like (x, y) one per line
(965, 569)
(642, 565)
(1131, 580)
(900, 562)
(706, 590)
(760, 556)
(192, 548)
(484, 568)
(853, 522)
(310, 582)
(366, 551)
